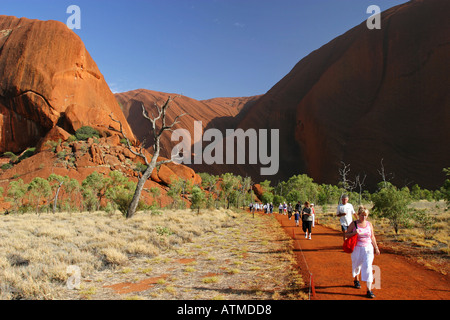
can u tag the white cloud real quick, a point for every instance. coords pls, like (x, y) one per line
(239, 25)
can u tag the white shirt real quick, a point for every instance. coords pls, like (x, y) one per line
(348, 210)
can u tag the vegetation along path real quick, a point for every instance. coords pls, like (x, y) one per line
(330, 266)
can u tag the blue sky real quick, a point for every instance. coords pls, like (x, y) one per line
(201, 48)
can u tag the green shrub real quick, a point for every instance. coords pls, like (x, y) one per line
(11, 156)
(72, 139)
(392, 203)
(7, 166)
(86, 132)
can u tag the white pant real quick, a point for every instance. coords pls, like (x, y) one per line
(362, 259)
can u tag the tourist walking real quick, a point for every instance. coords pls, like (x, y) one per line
(297, 218)
(345, 212)
(363, 254)
(307, 220)
(298, 206)
(290, 210)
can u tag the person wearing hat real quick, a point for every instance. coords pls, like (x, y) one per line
(345, 212)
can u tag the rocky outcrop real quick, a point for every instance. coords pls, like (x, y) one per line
(219, 113)
(78, 159)
(49, 79)
(365, 96)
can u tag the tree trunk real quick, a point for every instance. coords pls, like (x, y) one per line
(137, 194)
(56, 197)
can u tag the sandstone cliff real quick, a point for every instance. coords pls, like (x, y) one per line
(50, 87)
(48, 79)
(220, 113)
(368, 95)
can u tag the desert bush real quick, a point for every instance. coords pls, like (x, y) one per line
(86, 132)
(39, 190)
(120, 191)
(12, 156)
(6, 166)
(198, 198)
(425, 222)
(392, 203)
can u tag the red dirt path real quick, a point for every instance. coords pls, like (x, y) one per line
(331, 269)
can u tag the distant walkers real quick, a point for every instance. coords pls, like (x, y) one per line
(307, 219)
(290, 210)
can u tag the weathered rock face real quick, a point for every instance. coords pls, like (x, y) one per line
(78, 159)
(48, 78)
(220, 113)
(368, 95)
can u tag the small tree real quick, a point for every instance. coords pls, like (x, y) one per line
(120, 192)
(197, 198)
(392, 204)
(229, 185)
(95, 186)
(57, 187)
(73, 189)
(16, 192)
(267, 195)
(426, 222)
(39, 189)
(209, 183)
(178, 188)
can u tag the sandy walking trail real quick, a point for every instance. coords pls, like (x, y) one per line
(330, 266)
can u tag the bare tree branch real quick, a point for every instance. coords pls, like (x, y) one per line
(383, 174)
(347, 184)
(360, 183)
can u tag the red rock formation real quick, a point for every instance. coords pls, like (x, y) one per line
(221, 113)
(78, 159)
(50, 88)
(368, 95)
(48, 78)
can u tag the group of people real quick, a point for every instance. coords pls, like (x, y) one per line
(366, 246)
(257, 206)
(306, 214)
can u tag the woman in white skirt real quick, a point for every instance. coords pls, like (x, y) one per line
(363, 254)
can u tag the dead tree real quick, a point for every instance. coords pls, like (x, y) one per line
(139, 151)
(385, 176)
(347, 184)
(359, 182)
